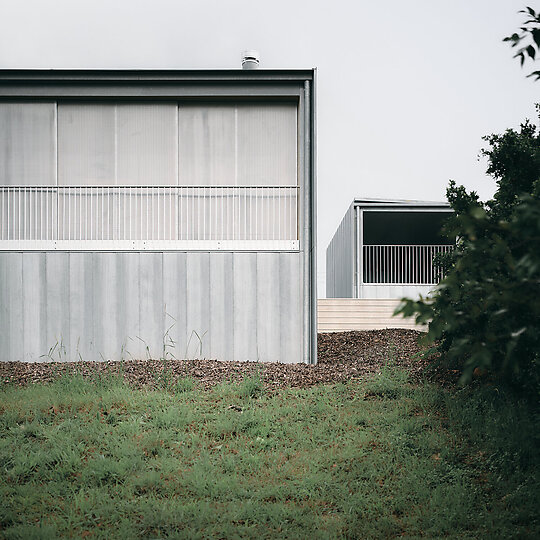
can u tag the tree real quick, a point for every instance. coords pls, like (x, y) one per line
(486, 311)
(530, 35)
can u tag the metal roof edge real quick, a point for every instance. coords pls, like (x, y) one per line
(366, 202)
(155, 75)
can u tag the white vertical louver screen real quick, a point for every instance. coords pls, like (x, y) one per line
(152, 172)
(28, 160)
(120, 145)
(27, 144)
(233, 146)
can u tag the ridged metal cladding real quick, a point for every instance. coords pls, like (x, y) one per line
(250, 59)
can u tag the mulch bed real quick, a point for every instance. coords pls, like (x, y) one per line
(342, 356)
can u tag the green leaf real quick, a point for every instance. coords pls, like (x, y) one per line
(514, 38)
(531, 51)
(536, 36)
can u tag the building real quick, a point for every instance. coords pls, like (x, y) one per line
(157, 214)
(385, 249)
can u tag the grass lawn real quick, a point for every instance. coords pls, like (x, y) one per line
(374, 459)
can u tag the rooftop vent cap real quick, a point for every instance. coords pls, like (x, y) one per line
(250, 60)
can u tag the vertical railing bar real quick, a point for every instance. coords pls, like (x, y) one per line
(408, 265)
(379, 264)
(280, 193)
(430, 267)
(205, 213)
(30, 235)
(91, 191)
(390, 252)
(369, 250)
(63, 218)
(63, 215)
(399, 262)
(375, 264)
(417, 265)
(179, 224)
(413, 258)
(99, 202)
(372, 263)
(435, 252)
(421, 266)
(198, 224)
(392, 264)
(396, 263)
(419, 251)
(402, 265)
(35, 233)
(192, 213)
(385, 265)
(373, 271)
(131, 220)
(424, 266)
(273, 214)
(24, 215)
(394, 271)
(85, 211)
(373, 251)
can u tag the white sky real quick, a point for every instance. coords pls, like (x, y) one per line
(406, 89)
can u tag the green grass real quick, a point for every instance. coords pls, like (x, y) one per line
(383, 458)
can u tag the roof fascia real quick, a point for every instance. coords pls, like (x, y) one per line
(154, 75)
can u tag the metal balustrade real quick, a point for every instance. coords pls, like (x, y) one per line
(148, 217)
(403, 264)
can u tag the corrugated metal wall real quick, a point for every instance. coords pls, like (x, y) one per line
(95, 306)
(340, 259)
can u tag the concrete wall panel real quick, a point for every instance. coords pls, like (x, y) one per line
(101, 306)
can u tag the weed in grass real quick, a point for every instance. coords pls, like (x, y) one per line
(389, 383)
(252, 387)
(183, 385)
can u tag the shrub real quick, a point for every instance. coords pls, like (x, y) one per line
(486, 311)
